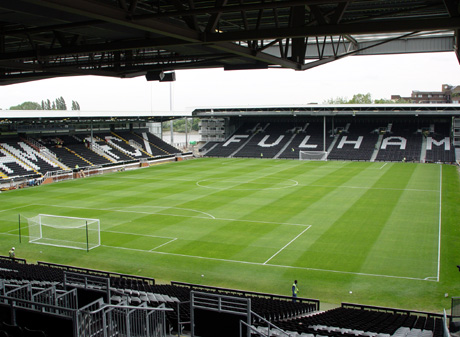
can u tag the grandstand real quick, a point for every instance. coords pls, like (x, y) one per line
(34, 155)
(392, 139)
(46, 299)
(412, 133)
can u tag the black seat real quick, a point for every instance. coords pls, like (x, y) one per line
(12, 330)
(33, 333)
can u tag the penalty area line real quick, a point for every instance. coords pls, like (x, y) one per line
(279, 251)
(164, 244)
(171, 239)
(10, 209)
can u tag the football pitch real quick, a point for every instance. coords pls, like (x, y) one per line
(379, 233)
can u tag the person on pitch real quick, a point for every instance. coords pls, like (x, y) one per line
(295, 290)
(11, 253)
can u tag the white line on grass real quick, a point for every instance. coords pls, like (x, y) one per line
(439, 222)
(232, 161)
(265, 222)
(236, 261)
(8, 233)
(279, 251)
(381, 167)
(180, 208)
(269, 265)
(297, 184)
(164, 244)
(376, 188)
(208, 216)
(306, 185)
(154, 178)
(293, 182)
(180, 215)
(128, 233)
(172, 239)
(9, 209)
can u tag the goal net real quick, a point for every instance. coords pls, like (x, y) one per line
(64, 231)
(312, 155)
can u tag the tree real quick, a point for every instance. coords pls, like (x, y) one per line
(60, 104)
(384, 101)
(364, 99)
(361, 99)
(337, 100)
(57, 104)
(75, 105)
(179, 125)
(27, 106)
(46, 105)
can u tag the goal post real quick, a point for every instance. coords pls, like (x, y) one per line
(313, 155)
(64, 231)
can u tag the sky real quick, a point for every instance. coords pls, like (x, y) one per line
(381, 76)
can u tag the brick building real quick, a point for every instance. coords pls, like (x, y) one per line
(449, 94)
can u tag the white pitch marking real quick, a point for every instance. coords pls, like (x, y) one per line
(184, 216)
(129, 233)
(183, 209)
(309, 185)
(232, 161)
(147, 235)
(279, 251)
(376, 188)
(266, 222)
(9, 209)
(295, 183)
(140, 212)
(270, 265)
(439, 223)
(381, 167)
(8, 233)
(164, 244)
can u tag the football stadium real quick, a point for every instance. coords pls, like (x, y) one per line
(367, 227)
(316, 220)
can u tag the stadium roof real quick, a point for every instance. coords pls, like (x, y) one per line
(78, 117)
(126, 38)
(334, 110)
(64, 117)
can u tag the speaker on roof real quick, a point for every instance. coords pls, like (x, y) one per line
(153, 75)
(168, 77)
(160, 76)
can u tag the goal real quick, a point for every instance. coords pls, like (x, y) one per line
(64, 231)
(313, 155)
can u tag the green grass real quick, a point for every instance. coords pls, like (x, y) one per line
(388, 232)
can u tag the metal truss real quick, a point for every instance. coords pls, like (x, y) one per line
(126, 38)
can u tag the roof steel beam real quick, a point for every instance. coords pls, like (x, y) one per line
(452, 7)
(109, 14)
(241, 8)
(98, 11)
(375, 27)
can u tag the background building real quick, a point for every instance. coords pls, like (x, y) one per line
(449, 94)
